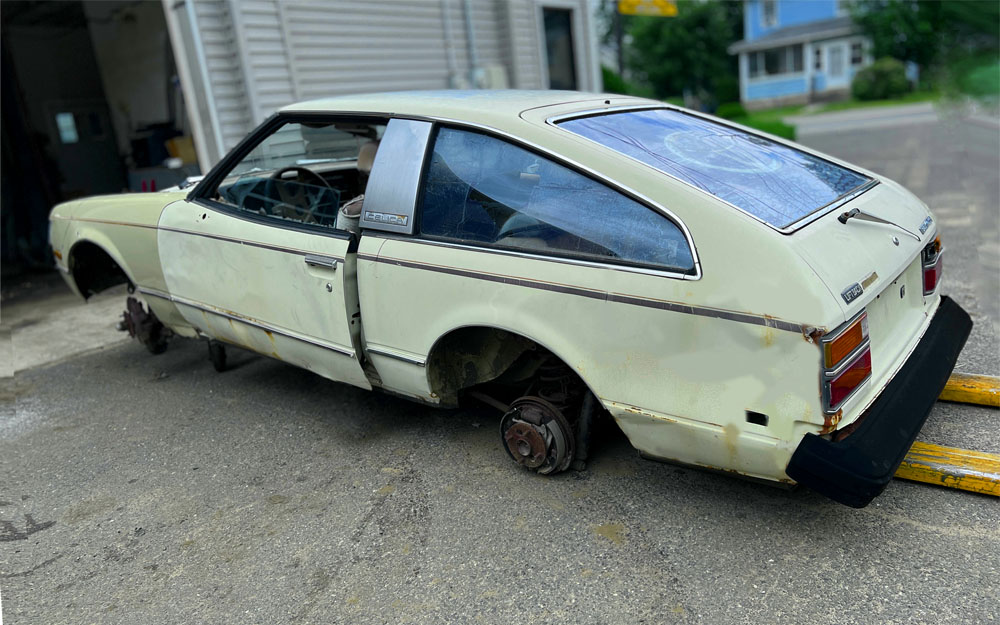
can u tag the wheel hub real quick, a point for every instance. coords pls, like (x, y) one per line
(537, 435)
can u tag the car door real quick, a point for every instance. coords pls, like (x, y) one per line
(253, 257)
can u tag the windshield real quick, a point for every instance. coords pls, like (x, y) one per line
(771, 181)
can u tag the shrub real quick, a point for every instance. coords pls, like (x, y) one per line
(883, 79)
(773, 126)
(613, 82)
(730, 110)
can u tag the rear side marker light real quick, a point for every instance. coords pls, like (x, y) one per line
(845, 342)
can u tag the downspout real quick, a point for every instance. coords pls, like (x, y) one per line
(449, 46)
(470, 39)
(199, 52)
(185, 69)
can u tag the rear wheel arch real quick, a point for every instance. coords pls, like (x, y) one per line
(469, 355)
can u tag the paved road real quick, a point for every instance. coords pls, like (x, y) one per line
(854, 120)
(136, 489)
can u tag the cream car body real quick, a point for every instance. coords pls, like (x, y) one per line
(718, 367)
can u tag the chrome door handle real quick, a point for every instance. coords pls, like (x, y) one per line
(321, 261)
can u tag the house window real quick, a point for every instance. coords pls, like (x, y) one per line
(776, 61)
(559, 48)
(857, 54)
(66, 123)
(818, 58)
(770, 12)
(795, 57)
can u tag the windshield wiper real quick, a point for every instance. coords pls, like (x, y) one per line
(857, 212)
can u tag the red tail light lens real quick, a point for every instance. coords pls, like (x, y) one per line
(847, 381)
(931, 258)
(932, 275)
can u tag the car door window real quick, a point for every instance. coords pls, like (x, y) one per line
(482, 190)
(302, 171)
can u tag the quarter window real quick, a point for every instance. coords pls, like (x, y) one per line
(485, 191)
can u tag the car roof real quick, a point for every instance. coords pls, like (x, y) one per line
(480, 105)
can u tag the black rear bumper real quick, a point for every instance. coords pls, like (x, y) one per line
(857, 468)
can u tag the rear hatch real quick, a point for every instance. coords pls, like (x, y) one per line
(875, 267)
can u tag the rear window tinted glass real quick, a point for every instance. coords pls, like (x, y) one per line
(773, 182)
(482, 190)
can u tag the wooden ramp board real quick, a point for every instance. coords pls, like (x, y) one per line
(972, 389)
(975, 471)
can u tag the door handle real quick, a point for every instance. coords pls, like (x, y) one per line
(321, 261)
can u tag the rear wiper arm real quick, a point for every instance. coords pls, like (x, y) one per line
(857, 212)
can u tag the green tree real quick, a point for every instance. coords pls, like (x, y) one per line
(688, 52)
(929, 33)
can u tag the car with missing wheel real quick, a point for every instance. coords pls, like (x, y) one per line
(734, 301)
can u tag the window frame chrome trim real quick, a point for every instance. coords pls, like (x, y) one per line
(791, 228)
(582, 169)
(519, 254)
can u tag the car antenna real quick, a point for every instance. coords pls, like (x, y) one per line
(857, 212)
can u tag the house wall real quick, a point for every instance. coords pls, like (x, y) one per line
(788, 12)
(259, 55)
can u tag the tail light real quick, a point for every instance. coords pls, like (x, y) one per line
(931, 258)
(847, 361)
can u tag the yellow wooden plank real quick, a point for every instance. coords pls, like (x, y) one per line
(974, 471)
(972, 389)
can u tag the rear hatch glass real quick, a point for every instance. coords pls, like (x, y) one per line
(775, 183)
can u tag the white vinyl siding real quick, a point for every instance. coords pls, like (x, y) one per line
(260, 55)
(224, 69)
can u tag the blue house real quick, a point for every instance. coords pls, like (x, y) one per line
(798, 51)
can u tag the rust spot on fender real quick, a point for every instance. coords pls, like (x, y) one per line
(769, 334)
(830, 421)
(812, 334)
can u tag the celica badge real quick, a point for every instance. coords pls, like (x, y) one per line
(852, 292)
(927, 224)
(386, 218)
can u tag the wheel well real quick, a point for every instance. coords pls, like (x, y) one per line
(474, 355)
(93, 269)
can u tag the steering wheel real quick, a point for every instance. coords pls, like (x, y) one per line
(300, 199)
